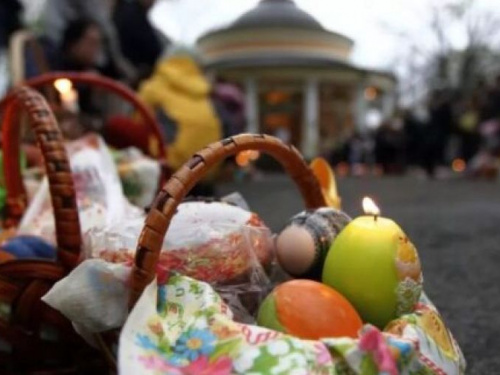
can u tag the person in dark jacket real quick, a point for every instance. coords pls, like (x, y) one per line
(139, 41)
(58, 14)
(438, 131)
(10, 20)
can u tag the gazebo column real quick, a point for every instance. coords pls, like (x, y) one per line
(360, 106)
(252, 105)
(388, 104)
(310, 124)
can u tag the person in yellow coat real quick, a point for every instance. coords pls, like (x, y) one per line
(180, 95)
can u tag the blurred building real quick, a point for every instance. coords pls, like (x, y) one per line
(297, 76)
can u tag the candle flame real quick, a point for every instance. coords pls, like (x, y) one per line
(63, 85)
(370, 207)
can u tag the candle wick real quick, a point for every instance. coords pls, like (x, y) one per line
(375, 217)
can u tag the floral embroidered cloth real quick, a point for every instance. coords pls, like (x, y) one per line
(183, 327)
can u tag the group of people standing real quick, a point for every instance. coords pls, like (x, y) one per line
(456, 127)
(115, 38)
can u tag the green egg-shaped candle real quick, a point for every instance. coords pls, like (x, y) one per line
(374, 265)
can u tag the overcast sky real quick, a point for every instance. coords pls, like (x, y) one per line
(368, 22)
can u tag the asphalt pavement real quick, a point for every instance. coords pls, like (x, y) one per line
(454, 223)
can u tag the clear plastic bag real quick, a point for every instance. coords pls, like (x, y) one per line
(222, 244)
(213, 242)
(98, 189)
(139, 175)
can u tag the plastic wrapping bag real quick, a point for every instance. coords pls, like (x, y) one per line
(93, 296)
(228, 246)
(139, 175)
(183, 327)
(210, 241)
(98, 189)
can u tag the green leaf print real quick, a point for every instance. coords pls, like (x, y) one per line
(342, 368)
(339, 349)
(264, 362)
(226, 348)
(368, 367)
(195, 288)
(164, 346)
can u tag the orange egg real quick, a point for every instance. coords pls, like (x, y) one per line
(309, 310)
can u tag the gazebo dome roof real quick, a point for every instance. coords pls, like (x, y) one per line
(279, 13)
(274, 33)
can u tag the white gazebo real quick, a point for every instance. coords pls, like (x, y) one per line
(296, 75)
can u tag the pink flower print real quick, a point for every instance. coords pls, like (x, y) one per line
(373, 341)
(202, 366)
(154, 362)
(323, 356)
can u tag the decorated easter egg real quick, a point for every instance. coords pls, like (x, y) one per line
(376, 267)
(302, 245)
(309, 310)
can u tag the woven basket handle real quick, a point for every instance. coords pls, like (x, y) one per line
(51, 142)
(158, 150)
(176, 188)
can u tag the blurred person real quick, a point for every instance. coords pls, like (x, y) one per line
(140, 43)
(179, 91)
(81, 46)
(437, 131)
(412, 128)
(10, 20)
(486, 162)
(390, 146)
(481, 94)
(58, 14)
(494, 100)
(468, 122)
(361, 151)
(180, 96)
(229, 103)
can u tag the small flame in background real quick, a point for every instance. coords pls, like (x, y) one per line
(369, 207)
(245, 157)
(458, 165)
(63, 85)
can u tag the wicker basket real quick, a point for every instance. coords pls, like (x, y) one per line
(29, 321)
(176, 188)
(157, 148)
